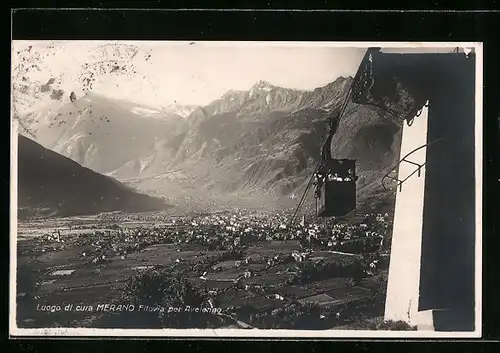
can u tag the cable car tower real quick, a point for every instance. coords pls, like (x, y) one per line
(432, 263)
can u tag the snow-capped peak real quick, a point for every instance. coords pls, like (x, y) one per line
(145, 111)
(179, 109)
(261, 86)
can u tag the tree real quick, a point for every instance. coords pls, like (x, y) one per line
(167, 288)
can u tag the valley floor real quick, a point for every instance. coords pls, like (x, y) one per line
(249, 270)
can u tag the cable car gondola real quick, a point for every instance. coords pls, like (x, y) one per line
(335, 179)
(335, 184)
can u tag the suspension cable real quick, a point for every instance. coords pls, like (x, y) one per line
(301, 201)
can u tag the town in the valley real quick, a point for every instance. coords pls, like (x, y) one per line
(232, 269)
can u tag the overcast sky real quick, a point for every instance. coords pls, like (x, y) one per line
(184, 73)
(198, 73)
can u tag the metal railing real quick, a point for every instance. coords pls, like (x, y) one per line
(404, 159)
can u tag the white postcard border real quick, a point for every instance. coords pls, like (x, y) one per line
(16, 332)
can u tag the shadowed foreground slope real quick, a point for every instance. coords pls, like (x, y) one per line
(60, 186)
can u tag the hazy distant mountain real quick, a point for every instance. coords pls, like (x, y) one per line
(57, 185)
(101, 133)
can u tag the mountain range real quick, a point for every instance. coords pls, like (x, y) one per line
(263, 141)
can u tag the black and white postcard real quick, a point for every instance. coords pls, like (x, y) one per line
(246, 189)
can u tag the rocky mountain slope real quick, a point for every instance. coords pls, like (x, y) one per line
(268, 139)
(56, 185)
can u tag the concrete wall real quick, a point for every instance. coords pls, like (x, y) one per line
(404, 270)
